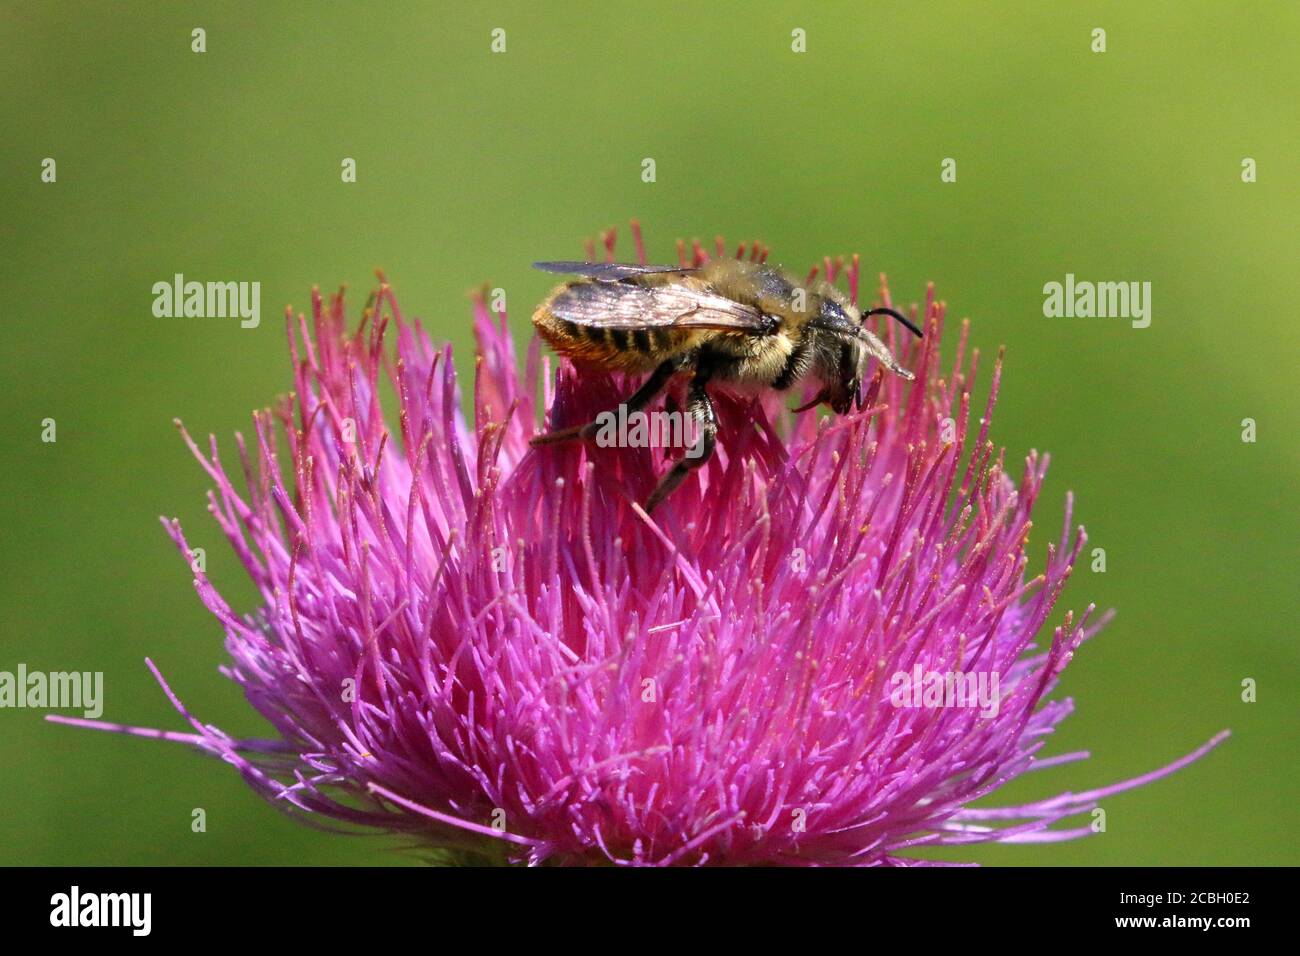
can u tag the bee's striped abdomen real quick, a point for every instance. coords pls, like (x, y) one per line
(629, 350)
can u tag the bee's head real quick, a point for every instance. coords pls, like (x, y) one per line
(840, 356)
(844, 318)
(856, 345)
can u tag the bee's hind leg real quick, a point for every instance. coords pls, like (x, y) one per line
(700, 407)
(637, 401)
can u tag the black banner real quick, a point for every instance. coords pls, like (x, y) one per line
(943, 906)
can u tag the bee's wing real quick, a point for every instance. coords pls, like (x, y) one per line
(619, 305)
(606, 271)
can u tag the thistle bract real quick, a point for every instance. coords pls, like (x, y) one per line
(820, 650)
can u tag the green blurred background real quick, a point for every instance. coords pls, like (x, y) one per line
(226, 165)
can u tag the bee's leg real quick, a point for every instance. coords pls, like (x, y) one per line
(638, 400)
(672, 408)
(700, 407)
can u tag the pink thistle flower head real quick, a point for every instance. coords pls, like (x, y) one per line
(821, 649)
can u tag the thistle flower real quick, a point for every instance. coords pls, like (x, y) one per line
(494, 649)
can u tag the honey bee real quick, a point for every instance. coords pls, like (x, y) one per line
(740, 325)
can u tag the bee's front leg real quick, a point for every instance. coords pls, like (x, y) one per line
(700, 407)
(638, 400)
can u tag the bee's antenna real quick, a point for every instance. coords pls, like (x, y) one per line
(895, 314)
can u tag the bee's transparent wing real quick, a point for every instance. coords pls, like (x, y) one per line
(619, 305)
(606, 271)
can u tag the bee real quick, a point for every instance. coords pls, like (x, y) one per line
(740, 325)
